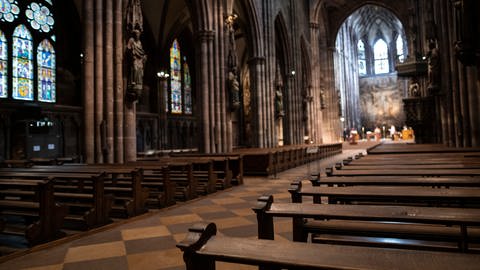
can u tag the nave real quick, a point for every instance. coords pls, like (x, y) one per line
(432, 224)
(148, 241)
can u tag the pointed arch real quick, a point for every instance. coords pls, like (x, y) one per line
(281, 35)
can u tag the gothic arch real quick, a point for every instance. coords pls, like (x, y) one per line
(331, 14)
(306, 60)
(281, 36)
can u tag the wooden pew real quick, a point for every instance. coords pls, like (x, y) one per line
(84, 194)
(269, 161)
(404, 172)
(351, 166)
(125, 183)
(202, 248)
(467, 181)
(418, 148)
(464, 220)
(180, 175)
(202, 170)
(227, 166)
(162, 190)
(16, 163)
(43, 216)
(460, 197)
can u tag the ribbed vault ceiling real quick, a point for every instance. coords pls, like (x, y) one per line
(369, 22)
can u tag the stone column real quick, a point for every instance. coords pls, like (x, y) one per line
(257, 66)
(98, 80)
(88, 81)
(109, 65)
(316, 85)
(118, 82)
(205, 97)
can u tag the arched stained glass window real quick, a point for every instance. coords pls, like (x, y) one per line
(187, 87)
(175, 78)
(46, 71)
(22, 64)
(380, 52)
(362, 63)
(8, 10)
(400, 51)
(3, 66)
(40, 17)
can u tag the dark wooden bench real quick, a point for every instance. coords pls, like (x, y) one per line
(467, 181)
(38, 218)
(202, 248)
(406, 195)
(393, 148)
(84, 194)
(269, 161)
(16, 163)
(351, 166)
(202, 171)
(124, 182)
(403, 172)
(227, 166)
(181, 173)
(308, 218)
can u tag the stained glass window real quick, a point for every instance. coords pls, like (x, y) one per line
(40, 17)
(22, 64)
(3, 66)
(400, 52)
(8, 10)
(362, 63)
(46, 72)
(380, 52)
(187, 87)
(175, 78)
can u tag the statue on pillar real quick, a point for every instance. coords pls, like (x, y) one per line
(339, 102)
(232, 77)
(136, 56)
(433, 57)
(279, 93)
(323, 105)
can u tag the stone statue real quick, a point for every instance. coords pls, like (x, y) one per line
(137, 58)
(135, 55)
(433, 57)
(413, 89)
(232, 77)
(234, 87)
(279, 93)
(322, 99)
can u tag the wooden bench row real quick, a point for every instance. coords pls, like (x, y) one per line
(269, 161)
(38, 218)
(202, 248)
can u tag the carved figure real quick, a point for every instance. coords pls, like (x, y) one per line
(433, 66)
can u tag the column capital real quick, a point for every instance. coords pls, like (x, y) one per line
(204, 35)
